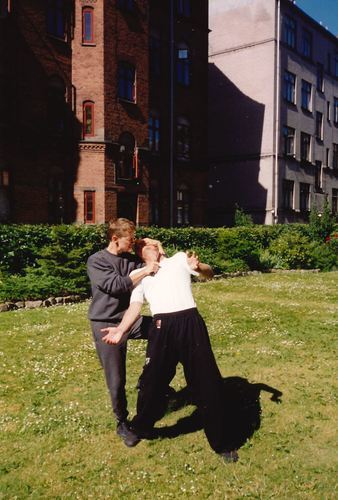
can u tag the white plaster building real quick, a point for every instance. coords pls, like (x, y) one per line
(273, 111)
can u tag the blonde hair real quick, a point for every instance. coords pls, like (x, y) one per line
(120, 227)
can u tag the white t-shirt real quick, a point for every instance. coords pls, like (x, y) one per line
(170, 289)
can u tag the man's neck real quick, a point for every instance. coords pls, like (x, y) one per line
(112, 248)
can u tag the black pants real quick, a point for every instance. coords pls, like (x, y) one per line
(113, 361)
(182, 337)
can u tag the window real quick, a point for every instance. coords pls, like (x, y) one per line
(289, 141)
(336, 65)
(183, 64)
(56, 18)
(154, 132)
(89, 207)
(5, 8)
(327, 157)
(306, 95)
(335, 156)
(289, 32)
(335, 110)
(183, 8)
(305, 146)
(319, 125)
(320, 77)
(88, 119)
(87, 25)
(328, 110)
(4, 178)
(126, 82)
(155, 56)
(334, 203)
(287, 189)
(306, 48)
(304, 197)
(329, 63)
(128, 5)
(183, 139)
(182, 204)
(56, 105)
(128, 167)
(318, 176)
(289, 92)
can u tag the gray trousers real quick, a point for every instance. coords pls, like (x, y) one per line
(113, 361)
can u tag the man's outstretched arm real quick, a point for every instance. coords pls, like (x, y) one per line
(114, 335)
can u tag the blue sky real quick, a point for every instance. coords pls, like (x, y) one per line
(325, 11)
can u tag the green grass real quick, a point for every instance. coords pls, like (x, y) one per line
(58, 434)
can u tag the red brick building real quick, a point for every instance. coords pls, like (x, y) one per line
(105, 111)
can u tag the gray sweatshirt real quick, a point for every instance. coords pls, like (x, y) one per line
(111, 285)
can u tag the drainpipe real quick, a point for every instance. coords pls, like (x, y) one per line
(171, 114)
(277, 126)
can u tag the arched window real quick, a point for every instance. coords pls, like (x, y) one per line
(182, 206)
(88, 119)
(154, 131)
(183, 64)
(88, 25)
(128, 158)
(56, 18)
(56, 105)
(126, 81)
(183, 138)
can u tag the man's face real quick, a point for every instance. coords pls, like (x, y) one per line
(150, 253)
(125, 243)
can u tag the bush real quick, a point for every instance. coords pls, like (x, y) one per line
(241, 218)
(291, 251)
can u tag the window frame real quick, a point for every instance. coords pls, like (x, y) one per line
(154, 132)
(86, 194)
(88, 10)
(91, 106)
(126, 82)
(305, 147)
(289, 136)
(288, 195)
(335, 156)
(183, 139)
(56, 11)
(304, 197)
(320, 78)
(307, 44)
(319, 126)
(183, 65)
(183, 8)
(318, 175)
(335, 110)
(289, 88)
(289, 32)
(306, 96)
(334, 201)
(183, 206)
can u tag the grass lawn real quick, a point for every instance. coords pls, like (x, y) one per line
(58, 433)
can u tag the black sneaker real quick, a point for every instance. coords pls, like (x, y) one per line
(229, 456)
(129, 437)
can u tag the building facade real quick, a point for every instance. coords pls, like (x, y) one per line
(106, 111)
(273, 112)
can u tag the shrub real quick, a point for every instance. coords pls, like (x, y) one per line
(241, 218)
(322, 224)
(291, 251)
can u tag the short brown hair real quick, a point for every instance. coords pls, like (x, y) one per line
(120, 227)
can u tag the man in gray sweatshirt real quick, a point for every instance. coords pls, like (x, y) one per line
(111, 285)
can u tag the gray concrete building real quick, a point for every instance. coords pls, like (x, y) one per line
(273, 112)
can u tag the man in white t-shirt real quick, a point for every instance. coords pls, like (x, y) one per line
(177, 334)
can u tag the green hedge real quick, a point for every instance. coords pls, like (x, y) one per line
(38, 261)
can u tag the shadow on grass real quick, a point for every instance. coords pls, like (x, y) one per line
(243, 411)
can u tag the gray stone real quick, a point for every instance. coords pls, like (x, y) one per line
(20, 304)
(68, 299)
(33, 304)
(46, 303)
(52, 300)
(59, 300)
(4, 308)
